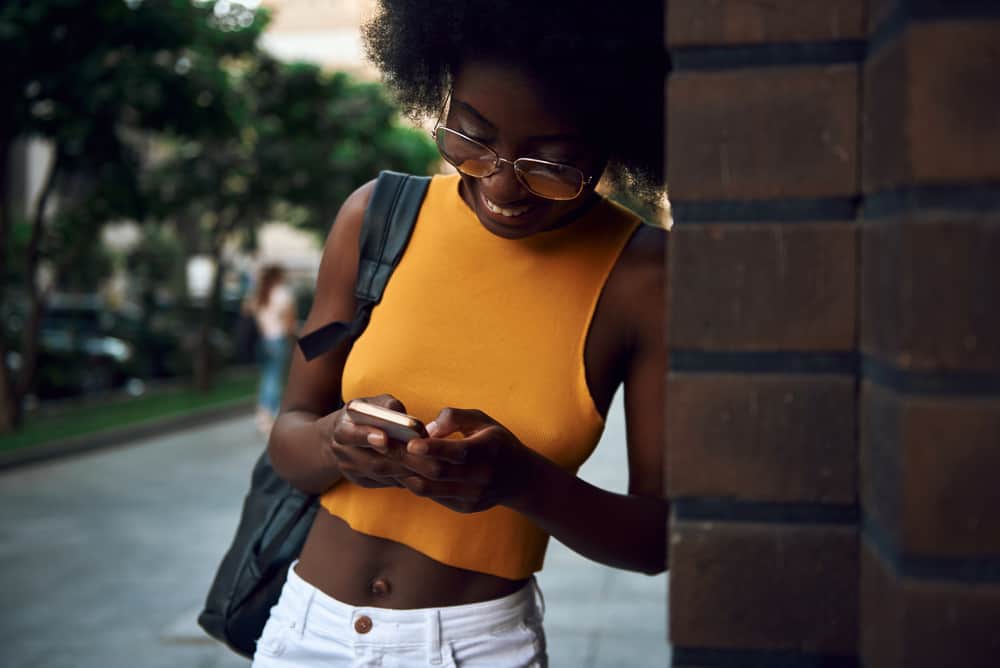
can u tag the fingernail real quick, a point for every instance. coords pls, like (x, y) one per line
(416, 447)
(376, 439)
(431, 428)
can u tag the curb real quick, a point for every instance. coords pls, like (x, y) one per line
(125, 435)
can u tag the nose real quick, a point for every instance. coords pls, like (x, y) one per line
(503, 185)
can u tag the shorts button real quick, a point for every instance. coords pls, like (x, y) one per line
(363, 624)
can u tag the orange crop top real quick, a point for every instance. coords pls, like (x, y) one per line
(473, 320)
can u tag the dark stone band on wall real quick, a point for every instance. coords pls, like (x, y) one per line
(702, 58)
(698, 509)
(779, 361)
(937, 383)
(971, 198)
(904, 12)
(750, 658)
(799, 211)
(966, 570)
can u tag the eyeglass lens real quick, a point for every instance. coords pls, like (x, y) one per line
(549, 180)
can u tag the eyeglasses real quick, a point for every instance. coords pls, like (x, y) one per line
(551, 180)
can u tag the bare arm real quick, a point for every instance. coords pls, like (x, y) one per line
(626, 531)
(299, 440)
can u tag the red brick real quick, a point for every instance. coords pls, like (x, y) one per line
(925, 623)
(763, 133)
(763, 287)
(764, 586)
(697, 23)
(762, 437)
(931, 106)
(929, 471)
(929, 287)
(884, 153)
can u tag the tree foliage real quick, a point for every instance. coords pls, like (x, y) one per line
(93, 78)
(167, 111)
(307, 140)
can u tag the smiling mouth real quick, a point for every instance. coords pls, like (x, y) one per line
(507, 212)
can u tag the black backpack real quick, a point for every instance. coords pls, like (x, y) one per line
(277, 517)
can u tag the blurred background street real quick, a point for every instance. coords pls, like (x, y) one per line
(160, 155)
(107, 556)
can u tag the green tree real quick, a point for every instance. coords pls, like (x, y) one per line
(155, 267)
(92, 77)
(308, 140)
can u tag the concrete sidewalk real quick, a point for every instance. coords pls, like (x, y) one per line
(105, 558)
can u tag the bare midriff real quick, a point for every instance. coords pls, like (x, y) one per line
(363, 570)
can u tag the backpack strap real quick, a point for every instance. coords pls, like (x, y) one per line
(385, 231)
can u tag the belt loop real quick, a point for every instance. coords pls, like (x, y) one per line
(303, 617)
(434, 637)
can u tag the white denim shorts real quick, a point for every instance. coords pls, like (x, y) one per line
(309, 628)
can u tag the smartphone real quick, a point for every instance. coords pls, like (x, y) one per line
(396, 425)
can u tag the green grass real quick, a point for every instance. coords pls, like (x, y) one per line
(91, 417)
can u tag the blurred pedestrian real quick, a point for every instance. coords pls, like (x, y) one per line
(273, 308)
(523, 301)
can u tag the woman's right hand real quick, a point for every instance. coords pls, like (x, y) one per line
(362, 452)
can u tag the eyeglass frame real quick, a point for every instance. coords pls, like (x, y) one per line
(498, 161)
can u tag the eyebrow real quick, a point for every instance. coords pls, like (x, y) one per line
(559, 136)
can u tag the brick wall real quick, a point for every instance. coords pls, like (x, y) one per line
(834, 392)
(930, 336)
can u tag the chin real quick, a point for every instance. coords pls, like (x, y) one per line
(536, 219)
(502, 228)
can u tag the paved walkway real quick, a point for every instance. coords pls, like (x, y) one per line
(105, 558)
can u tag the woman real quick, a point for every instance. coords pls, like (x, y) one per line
(523, 300)
(273, 308)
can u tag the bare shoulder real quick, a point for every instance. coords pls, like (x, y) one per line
(647, 250)
(639, 278)
(347, 226)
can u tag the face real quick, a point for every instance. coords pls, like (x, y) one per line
(504, 109)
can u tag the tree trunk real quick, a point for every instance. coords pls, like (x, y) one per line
(205, 360)
(204, 356)
(12, 393)
(10, 408)
(6, 144)
(36, 298)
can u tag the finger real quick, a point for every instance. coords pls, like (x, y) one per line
(431, 468)
(369, 483)
(348, 432)
(386, 401)
(462, 420)
(363, 481)
(449, 450)
(438, 489)
(359, 462)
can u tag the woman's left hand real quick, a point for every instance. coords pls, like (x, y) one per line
(488, 466)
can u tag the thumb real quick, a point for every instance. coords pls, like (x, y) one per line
(464, 421)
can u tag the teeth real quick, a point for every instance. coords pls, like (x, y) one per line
(502, 211)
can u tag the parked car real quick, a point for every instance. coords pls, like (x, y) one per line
(78, 351)
(86, 347)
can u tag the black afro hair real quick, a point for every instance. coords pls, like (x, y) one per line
(603, 61)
